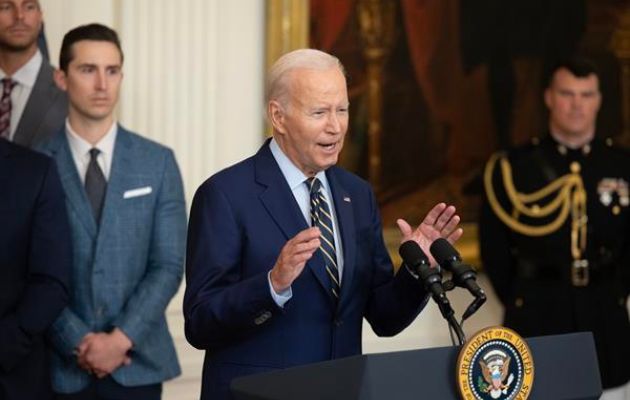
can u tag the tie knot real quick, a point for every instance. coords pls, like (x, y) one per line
(94, 152)
(314, 184)
(8, 84)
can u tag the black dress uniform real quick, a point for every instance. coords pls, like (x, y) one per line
(545, 286)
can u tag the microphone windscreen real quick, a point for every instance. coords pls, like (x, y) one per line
(412, 254)
(443, 251)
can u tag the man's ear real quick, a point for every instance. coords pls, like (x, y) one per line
(277, 116)
(60, 79)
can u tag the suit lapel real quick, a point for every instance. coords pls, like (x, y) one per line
(72, 185)
(279, 201)
(42, 95)
(345, 219)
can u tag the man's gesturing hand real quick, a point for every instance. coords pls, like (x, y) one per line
(440, 222)
(294, 255)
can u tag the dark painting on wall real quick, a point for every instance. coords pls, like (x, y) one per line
(460, 79)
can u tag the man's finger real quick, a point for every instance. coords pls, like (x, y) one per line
(433, 215)
(450, 227)
(306, 235)
(453, 237)
(306, 247)
(444, 217)
(405, 229)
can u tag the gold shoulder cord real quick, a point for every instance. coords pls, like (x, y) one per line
(571, 196)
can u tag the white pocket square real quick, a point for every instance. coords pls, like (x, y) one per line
(143, 191)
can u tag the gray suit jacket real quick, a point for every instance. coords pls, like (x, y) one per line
(125, 272)
(45, 111)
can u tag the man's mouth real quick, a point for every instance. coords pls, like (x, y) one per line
(328, 146)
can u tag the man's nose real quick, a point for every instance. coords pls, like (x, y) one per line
(334, 123)
(19, 13)
(101, 80)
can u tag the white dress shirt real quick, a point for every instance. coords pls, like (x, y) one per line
(296, 181)
(25, 78)
(80, 149)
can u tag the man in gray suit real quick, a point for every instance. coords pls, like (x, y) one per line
(32, 108)
(127, 216)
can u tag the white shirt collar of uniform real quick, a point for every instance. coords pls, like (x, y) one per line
(27, 74)
(292, 174)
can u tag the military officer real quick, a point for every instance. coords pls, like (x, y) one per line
(555, 227)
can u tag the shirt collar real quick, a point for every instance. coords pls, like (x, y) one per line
(80, 146)
(27, 74)
(565, 149)
(292, 174)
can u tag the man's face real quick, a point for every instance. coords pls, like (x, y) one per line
(573, 104)
(311, 126)
(20, 23)
(92, 80)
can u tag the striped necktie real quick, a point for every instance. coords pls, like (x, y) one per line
(321, 217)
(5, 107)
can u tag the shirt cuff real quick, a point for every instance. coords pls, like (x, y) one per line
(282, 297)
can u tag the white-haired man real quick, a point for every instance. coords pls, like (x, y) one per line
(285, 250)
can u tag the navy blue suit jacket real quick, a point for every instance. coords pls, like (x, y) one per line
(35, 262)
(240, 220)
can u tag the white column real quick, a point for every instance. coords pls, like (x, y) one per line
(193, 79)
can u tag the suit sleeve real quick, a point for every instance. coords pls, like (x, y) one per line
(166, 258)
(395, 300)
(219, 305)
(48, 275)
(67, 332)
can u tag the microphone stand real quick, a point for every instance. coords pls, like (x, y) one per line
(452, 323)
(478, 300)
(429, 276)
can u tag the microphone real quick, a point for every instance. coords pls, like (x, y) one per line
(463, 274)
(417, 261)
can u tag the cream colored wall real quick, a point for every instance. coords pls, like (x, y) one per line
(193, 73)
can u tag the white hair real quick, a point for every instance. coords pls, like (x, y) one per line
(277, 82)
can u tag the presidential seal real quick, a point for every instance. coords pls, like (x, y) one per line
(495, 364)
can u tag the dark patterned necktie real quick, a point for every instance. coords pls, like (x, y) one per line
(95, 185)
(5, 107)
(321, 217)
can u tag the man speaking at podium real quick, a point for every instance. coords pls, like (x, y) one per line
(285, 250)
